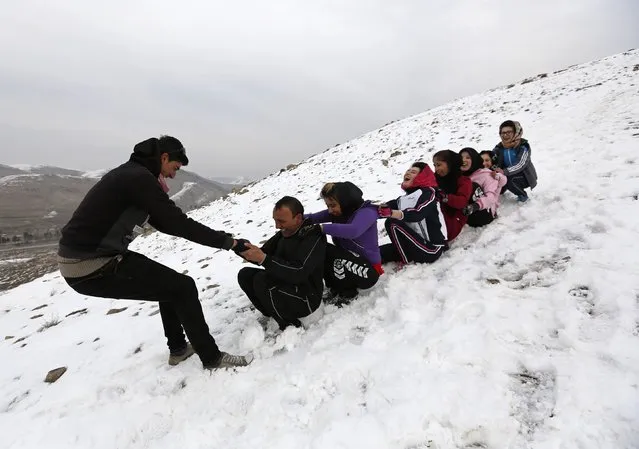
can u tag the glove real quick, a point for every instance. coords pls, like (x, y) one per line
(384, 212)
(470, 209)
(240, 246)
(441, 196)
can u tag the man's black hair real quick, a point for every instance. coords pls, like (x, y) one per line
(174, 148)
(293, 204)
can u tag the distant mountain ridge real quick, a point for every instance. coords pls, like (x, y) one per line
(233, 181)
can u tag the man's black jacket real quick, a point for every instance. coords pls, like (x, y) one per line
(116, 209)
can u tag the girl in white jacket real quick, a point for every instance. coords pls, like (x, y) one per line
(487, 186)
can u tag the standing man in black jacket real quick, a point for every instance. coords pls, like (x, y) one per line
(94, 259)
(291, 284)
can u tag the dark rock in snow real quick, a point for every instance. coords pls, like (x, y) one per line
(114, 311)
(55, 374)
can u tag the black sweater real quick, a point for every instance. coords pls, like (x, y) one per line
(115, 210)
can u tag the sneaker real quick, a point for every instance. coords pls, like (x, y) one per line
(522, 198)
(227, 360)
(180, 356)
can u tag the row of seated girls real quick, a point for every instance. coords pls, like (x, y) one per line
(464, 188)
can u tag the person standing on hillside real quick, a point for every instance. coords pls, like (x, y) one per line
(290, 285)
(94, 259)
(513, 159)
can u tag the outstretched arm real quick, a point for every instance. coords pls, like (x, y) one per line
(364, 219)
(165, 216)
(318, 217)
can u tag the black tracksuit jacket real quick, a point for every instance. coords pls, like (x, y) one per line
(296, 263)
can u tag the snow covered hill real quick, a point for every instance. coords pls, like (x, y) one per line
(524, 335)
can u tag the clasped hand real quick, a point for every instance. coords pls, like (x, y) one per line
(253, 253)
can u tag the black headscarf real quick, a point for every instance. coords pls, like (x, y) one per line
(448, 183)
(476, 161)
(350, 198)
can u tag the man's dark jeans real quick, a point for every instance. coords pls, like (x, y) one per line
(134, 276)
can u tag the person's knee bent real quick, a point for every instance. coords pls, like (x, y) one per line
(371, 279)
(389, 222)
(190, 287)
(183, 286)
(259, 281)
(245, 276)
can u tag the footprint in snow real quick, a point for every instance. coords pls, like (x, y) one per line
(545, 272)
(534, 399)
(357, 335)
(600, 319)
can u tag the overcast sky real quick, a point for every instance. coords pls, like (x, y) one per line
(249, 86)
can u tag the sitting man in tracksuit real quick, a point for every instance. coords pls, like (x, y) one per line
(414, 221)
(290, 285)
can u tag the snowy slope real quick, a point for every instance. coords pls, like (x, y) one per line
(524, 335)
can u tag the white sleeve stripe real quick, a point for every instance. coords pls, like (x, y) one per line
(423, 205)
(521, 163)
